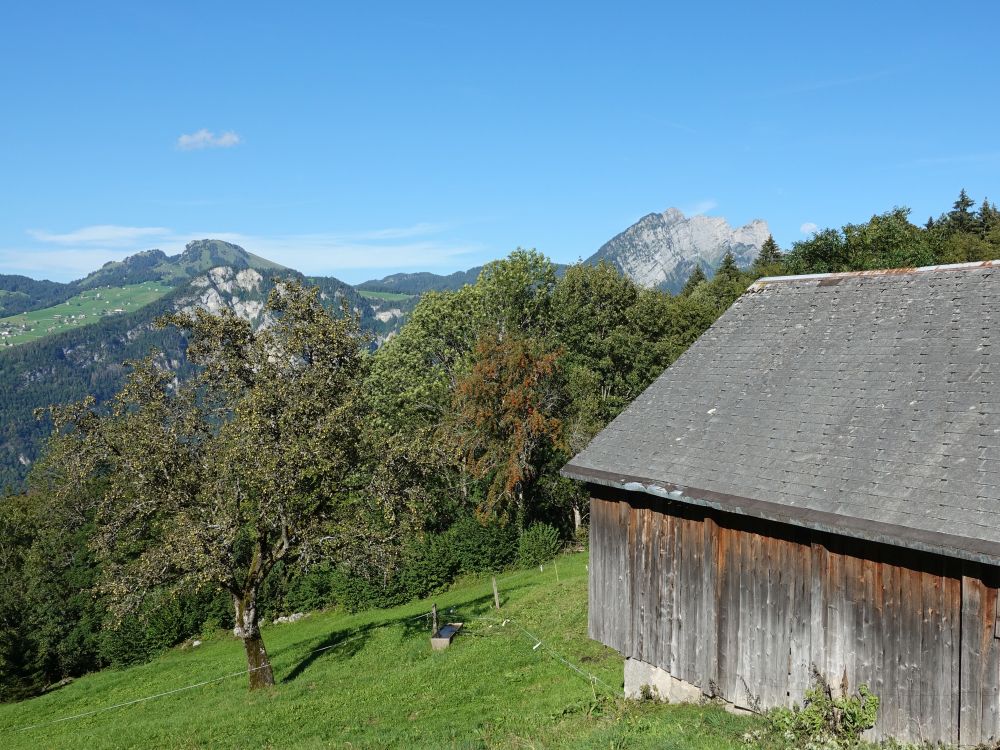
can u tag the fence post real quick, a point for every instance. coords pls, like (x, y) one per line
(434, 618)
(496, 594)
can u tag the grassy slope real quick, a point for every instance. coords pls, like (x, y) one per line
(385, 296)
(92, 303)
(386, 688)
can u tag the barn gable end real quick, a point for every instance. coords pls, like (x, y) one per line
(816, 482)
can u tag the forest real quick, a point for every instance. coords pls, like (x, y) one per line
(295, 468)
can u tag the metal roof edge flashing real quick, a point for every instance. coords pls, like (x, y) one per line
(819, 277)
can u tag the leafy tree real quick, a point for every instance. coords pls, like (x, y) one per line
(415, 471)
(963, 247)
(213, 482)
(592, 320)
(826, 251)
(887, 240)
(505, 417)
(413, 474)
(515, 293)
(21, 669)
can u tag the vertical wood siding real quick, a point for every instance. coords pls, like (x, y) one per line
(745, 608)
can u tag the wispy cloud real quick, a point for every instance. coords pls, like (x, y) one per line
(701, 207)
(333, 253)
(674, 125)
(207, 139)
(57, 264)
(808, 228)
(112, 235)
(808, 87)
(424, 246)
(394, 233)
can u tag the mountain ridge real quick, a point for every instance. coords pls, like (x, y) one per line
(421, 281)
(198, 256)
(661, 250)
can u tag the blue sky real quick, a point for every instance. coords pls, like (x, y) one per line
(358, 139)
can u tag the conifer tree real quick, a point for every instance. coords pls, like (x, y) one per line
(988, 217)
(770, 253)
(960, 217)
(728, 270)
(697, 276)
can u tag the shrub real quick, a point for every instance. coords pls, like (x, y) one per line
(164, 621)
(355, 590)
(309, 590)
(539, 543)
(429, 565)
(482, 546)
(824, 721)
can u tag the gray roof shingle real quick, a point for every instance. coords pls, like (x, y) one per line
(864, 404)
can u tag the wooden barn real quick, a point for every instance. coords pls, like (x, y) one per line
(815, 482)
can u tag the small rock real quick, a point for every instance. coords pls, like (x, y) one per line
(289, 618)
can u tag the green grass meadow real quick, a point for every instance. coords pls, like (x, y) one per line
(385, 296)
(383, 686)
(83, 309)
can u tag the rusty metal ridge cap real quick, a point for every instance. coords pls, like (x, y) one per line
(934, 542)
(819, 277)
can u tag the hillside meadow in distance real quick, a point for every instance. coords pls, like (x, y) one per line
(271, 454)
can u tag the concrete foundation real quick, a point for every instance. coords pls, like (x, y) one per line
(659, 684)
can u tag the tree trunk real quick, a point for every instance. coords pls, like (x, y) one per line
(520, 512)
(248, 629)
(577, 519)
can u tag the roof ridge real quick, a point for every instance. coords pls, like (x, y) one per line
(762, 282)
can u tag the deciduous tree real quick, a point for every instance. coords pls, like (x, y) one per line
(214, 481)
(506, 416)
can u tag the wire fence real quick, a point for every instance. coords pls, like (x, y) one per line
(195, 685)
(503, 623)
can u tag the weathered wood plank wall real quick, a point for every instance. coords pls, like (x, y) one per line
(743, 608)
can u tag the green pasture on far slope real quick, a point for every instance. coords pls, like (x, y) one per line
(385, 296)
(83, 309)
(378, 684)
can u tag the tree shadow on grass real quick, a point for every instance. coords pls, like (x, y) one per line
(343, 644)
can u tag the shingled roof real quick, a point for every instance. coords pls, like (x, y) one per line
(864, 404)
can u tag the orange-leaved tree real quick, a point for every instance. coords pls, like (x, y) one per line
(505, 417)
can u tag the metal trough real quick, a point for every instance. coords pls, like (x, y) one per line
(442, 638)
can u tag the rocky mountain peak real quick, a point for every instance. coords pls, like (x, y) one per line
(672, 216)
(660, 250)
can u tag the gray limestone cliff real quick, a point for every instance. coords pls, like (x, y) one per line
(660, 250)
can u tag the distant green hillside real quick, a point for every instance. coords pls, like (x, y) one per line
(371, 680)
(45, 359)
(198, 257)
(20, 293)
(415, 284)
(385, 296)
(86, 308)
(418, 283)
